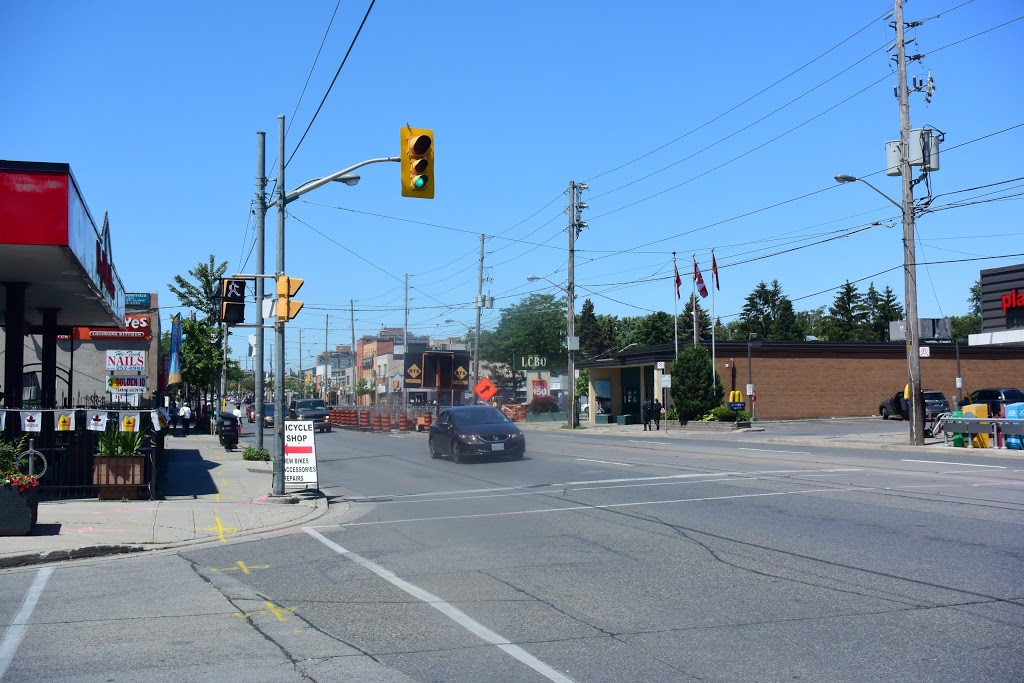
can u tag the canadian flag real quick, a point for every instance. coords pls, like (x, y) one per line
(714, 270)
(700, 281)
(679, 280)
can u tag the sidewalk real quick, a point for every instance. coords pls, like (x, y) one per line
(208, 494)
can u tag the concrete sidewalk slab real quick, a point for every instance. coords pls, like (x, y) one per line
(208, 494)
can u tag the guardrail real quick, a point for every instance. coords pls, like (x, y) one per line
(995, 427)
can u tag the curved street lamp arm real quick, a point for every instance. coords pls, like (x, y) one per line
(313, 184)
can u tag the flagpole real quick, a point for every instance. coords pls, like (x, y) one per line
(695, 323)
(675, 302)
(714, 276)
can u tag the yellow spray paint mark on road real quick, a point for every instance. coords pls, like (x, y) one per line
(220, 529)
(280, 613)
(246, 569)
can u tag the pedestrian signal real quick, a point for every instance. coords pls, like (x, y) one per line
(232, 301)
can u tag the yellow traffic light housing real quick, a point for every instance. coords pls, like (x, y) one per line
(232, 301)
(287, 287)
(417, 153)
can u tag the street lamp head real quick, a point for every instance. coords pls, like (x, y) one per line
(844, 178)
(349, 179)
(532, 278)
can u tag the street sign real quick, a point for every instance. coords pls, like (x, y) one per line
(485, 389)
(299, 453)
(666, 381)
(529, 362)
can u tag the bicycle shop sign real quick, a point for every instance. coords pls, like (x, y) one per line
(122, 361)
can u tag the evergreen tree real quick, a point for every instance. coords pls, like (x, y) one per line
(587, 329)
(768, 313)
(692, 390)
(686, 322)
(847, 319)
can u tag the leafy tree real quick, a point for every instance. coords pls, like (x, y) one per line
(656, 328)
(608, 326)
(536, 325)
(583, 383)
(812, 323)
(201, 353)
(198, 294)
(847, 319)
(964, 325)
(692, 390)
(768, 313)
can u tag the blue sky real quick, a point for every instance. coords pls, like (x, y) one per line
(673, 113)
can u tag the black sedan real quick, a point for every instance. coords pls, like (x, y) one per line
(268, 414)
(462, 431)
(935, 404)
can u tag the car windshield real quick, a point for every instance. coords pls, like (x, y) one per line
(310, 404)
(480, 416)
(1013, 395)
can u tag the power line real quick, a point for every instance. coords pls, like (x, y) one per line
(311, 69)
(336, 74)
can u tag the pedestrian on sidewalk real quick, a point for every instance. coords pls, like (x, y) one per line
(645, 415)
(186, 416)
(172, 413)
(656, 414)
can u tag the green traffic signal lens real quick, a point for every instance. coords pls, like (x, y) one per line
(419, 182)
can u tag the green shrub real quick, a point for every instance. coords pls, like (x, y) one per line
(720, 414)
(743, 416)
(671, 414)
(693, 391)
(253, 453)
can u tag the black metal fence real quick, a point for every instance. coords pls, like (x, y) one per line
(76, 470)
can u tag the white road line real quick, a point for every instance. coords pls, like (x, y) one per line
(461, 618)
(770, 450)
(959, 464)
(645, 442)
(607, 462)
(609, 506)
(380, 497)
(1002, 483)
(17, 628)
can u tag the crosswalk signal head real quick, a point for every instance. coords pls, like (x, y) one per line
(287, 287)
(232, 301)
(417, 153)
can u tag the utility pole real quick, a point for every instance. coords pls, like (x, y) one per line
(909, 257)
(479, 309)
(300, 356)
(327, 326)
(405, 344)
(278, 454)
(261, 215)
(570, 322)
(352, 349)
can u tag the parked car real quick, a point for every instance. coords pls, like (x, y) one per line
(311, 409)
(935, 404)
(462, 431)
(995, 398)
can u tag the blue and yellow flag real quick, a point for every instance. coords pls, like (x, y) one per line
(174, 373)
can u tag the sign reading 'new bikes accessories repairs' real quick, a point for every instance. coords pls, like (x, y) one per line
(299, 453)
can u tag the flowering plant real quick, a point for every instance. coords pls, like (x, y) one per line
(23, 482)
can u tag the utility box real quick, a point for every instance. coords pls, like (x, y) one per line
(923, 151)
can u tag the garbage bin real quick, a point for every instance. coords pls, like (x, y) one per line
(228, 428)
(958, 439)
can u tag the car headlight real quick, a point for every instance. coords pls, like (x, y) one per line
(469, 438)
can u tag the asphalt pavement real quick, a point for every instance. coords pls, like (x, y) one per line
(212, 495)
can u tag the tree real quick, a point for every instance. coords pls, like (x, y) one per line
(811, 323)
(686, 321)
(596, 332)
(656, 328)
(199, 293)
(768, 313)
(964, 325)
(692, 390)
(201, 353)
(974, 299)
(847, 319)
(535, 326)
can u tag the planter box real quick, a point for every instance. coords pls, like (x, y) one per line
(624, 420)
(606, 419)
(713, 426)
(118, 477)
(545, 417)
(18, 510)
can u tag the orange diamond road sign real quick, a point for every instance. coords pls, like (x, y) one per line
(485, 389)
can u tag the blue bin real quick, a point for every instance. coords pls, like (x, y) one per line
(1014, 411)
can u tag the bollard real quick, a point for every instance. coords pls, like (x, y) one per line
(376, 422)
(386, 422)
(364, 418)
(403, 422)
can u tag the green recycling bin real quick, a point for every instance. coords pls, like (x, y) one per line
(958, 439)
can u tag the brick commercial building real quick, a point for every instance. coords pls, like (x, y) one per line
(805, 379)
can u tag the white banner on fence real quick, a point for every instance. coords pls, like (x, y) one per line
(96, 421)
(31, 421)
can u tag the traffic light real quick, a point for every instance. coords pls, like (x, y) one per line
(287, 287)
(232, 301)
(417, 153)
